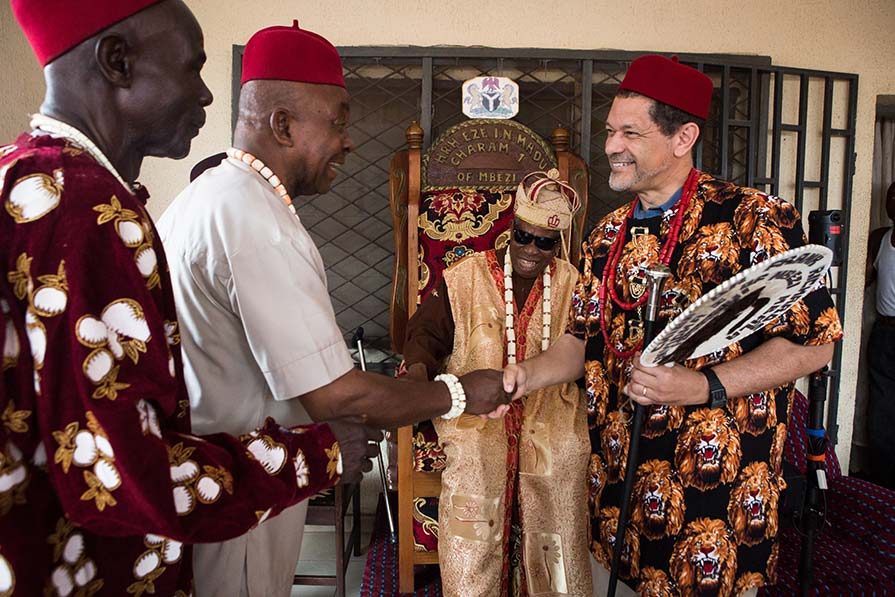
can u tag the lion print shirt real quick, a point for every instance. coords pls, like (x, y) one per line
(704, 508)
(102, 485)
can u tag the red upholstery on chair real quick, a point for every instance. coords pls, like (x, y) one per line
(855, 549)
(456, 223)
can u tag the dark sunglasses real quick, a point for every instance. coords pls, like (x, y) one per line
(544, 243)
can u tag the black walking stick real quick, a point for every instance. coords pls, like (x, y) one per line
(816, 482)
(655, 278)
(358, 341)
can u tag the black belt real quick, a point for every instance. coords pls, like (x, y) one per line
(886, 319)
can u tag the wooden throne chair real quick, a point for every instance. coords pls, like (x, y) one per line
(454, 199)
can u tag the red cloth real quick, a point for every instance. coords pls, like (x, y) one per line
(291, 54)
(54, 27)
(668, 81)
(85, 288)
(456, 209)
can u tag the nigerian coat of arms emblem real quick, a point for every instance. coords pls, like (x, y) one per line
(490, 97)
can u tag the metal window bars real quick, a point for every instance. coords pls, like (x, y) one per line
(786, 131)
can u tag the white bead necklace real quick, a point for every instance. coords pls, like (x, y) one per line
(266, 173)
(508, 302)
(50, 125)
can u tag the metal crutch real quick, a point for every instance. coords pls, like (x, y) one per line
(358, 341)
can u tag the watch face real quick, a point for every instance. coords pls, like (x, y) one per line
(718, 396)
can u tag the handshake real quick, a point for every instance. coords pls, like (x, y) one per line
(488, 393)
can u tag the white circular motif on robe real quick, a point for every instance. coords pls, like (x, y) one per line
(37, 337)
(11, 344)
(96, 450)
(7, 577)
(108, 475)
(185, 471)
(85, 573)
(91, 331)
(148, 418)
(85, 453)
(125, 317)
(146, 563)
(13, 478)
(147, 261)
(208, 490)
(301, 470)
(15, 473)
(103, 445)
(49, 301)
(73, 549)
(35, 195)
(114, 344)
(40, 455)
(131, 233)
(183, 500)
(172, 552)
(270, 454)
(98, 364)
(170, 330)
(62, 581)
(170, 549)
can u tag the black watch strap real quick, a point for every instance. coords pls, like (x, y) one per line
(717, 393)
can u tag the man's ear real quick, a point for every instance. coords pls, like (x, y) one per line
(685, 139)
(115, 57)
(279, 125)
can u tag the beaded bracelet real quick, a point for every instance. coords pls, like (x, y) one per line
(458, 396)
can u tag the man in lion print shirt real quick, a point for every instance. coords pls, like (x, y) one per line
(704, 507)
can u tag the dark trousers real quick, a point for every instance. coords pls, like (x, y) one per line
(881, 407)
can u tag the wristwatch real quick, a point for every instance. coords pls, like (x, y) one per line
(717, 393)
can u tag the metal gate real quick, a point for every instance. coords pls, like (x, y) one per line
(786, 131)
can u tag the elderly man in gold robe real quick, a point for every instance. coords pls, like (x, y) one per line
(513, 507)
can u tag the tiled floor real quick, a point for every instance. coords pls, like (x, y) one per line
(318, 556)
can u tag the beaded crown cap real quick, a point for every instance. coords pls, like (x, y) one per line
(542, 199)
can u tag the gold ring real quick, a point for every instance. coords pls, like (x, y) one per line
(644, 391)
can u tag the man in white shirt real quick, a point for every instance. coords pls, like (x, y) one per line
(881, 350)
(257, 325)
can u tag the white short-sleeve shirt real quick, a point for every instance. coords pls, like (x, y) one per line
(256, 322)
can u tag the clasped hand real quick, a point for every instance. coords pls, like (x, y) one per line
(673, 385)
(484, 392)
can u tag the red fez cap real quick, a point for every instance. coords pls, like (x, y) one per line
(53, 27)
(670, 82)
(291, 54)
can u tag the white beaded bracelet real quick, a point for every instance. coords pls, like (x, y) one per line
(458, 396)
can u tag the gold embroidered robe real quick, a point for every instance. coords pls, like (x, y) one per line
(526, 472)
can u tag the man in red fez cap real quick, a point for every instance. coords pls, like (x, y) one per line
(103, 486)
(258, 328)
(714, 421)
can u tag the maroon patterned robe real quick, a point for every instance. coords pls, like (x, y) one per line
(102, 486)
